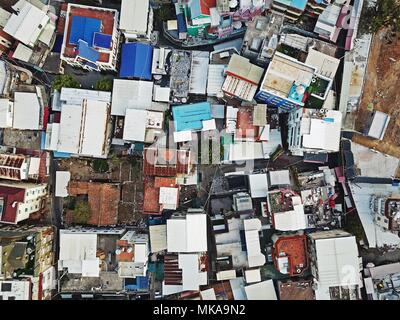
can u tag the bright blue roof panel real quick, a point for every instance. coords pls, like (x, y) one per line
(83, 28)
(136, 61)
(190, 116)
(102, 40)
(195, 10)
(182, 27)
(86, 52)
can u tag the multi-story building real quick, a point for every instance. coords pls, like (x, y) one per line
(290, 84)
(85, 124)
(335, 265)
(33, 26)
(314, 131)
(387, 212)
(290, 254)
(20, 199)
(26, 269)
(18, 166)
(292, 9)
(91, 38)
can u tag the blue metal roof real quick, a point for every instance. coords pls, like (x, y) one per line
(86, 52)
(181, 22)
(83, 28)
(136, 61)
(102, 40)
(195, 10)
(190, 116)
(58, 43)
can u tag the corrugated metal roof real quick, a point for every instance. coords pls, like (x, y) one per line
(136, 61)
(190, 116)
(134, 16)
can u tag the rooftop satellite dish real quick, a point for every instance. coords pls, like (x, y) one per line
(237, 25)
(300, 90)
(233, 4)
(129, 250)
(118, 252)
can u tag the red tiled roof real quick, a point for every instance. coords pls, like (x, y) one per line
(107, 27)
(205, 6)
(166, 162)
(295, 248)
(152, 185)
(103, 199)
(151, 195)
(11, 195)
(245, 128)
(172, 273)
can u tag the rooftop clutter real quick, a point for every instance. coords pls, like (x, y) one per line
(221, 173)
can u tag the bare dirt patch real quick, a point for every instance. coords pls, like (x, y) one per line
(382, 92)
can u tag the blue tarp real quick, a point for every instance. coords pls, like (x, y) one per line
(86, 52)
(58, 43)
(190, 116)
(102, 40)
(83, 29)
(136, 61)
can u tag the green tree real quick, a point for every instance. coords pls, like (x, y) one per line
(100, 165)
(104, 84)
(81, 212)
(65, 81)
(384, 14)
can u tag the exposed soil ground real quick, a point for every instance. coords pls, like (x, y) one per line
(382, 92)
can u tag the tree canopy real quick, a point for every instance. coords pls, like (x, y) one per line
(385, 13)
(65, 81)
(81, 212)
(104, 84)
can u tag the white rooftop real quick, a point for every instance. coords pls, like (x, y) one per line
(379, 125)
(134, 16)
(76, 96)
(374, 164)
(279, 177)
(158, 237)
(135, 125)
(62, 180)
(291, 220)
(27, 111)
(187, 234)
(27, 25)
(78, 253)
(324, 134)
(254, 255)
(261, 291)
(362, 193)
(258, 185)
(337, 261)
(131, 94)
(83, 128)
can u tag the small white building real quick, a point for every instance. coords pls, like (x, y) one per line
(378, 124)
(25, 112)
(187, 236)
(314, 131)
(32, 26)
(136, 21)
(78, 253)
(15, 290)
